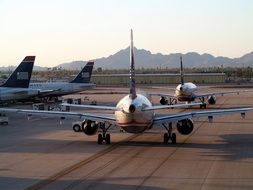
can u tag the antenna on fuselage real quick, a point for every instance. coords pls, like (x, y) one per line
(132, 70)
(181, 71)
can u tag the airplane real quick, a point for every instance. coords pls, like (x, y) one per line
(54, 89)
(16, 86)
(186, 92)
(134, 113)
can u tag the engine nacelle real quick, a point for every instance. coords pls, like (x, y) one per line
(211, 100)
(89, 127)
(185, 126)
(163, 101)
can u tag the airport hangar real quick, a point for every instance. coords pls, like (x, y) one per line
(148, 79)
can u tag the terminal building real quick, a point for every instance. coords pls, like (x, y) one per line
(148, 79)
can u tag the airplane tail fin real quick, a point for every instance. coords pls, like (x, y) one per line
(20, 78)
(181, 71)
(132, 70)
(85, 74)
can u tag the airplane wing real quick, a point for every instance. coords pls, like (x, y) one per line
(221, 93)
(208, 114)
(110, 118)
(163, 87)
(159, 107)
(162, 95)
(48, 92)
(171, 106)
(21, 92)
(91, 106)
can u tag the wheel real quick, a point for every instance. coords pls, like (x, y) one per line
(100, 139)
(165, 138)
(77, 128)
(203, 106)
(174, 138)
(108, 139)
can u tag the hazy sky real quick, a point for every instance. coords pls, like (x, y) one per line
(59, 31)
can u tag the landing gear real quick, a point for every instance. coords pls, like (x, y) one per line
(169, 135)
(107, 139)
(174, 138)
(77, 128)
(104, 136)
(203, 105)
(173, 101)
(100, 139)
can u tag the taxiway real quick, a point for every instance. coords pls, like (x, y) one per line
(42, 154)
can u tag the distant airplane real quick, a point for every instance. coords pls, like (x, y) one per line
(186, 92)
(54, 89)
(134, 113)
(16, 86)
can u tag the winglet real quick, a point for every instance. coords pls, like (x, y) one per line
(20, 78)
(181, 71)
(132, 70)
(85, 74)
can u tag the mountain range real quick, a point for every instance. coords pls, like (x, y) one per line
(145, 59)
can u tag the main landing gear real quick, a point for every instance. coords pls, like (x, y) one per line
(203, 105)
(104, 136)
(173, 101)
(169, 135)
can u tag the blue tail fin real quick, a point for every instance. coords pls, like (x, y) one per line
(85, 74)
(132, 70)
(20, 78)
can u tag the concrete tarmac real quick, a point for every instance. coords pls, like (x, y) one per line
(42, 154)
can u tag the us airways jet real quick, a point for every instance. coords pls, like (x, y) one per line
(54, 89)
(16, 86)
(134, 113)
(188, 92)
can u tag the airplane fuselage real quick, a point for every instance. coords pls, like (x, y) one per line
(186, 92)
(8, 93)
(61, 88)
(131, 116)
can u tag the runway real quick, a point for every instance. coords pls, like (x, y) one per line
(42, 154)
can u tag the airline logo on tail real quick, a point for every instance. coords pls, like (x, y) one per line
(22, 76)
(85, 74)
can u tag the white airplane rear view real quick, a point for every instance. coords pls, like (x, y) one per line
(130, 115)
(187, 92)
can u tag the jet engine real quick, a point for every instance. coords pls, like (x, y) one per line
(163, 101)
(185, 126)
(89, 127)
(211, 100)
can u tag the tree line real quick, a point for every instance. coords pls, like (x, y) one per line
(53, 74)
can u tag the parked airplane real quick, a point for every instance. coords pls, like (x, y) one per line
(186, 92)
(134, 113)
(16, 86)
(54, 89)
